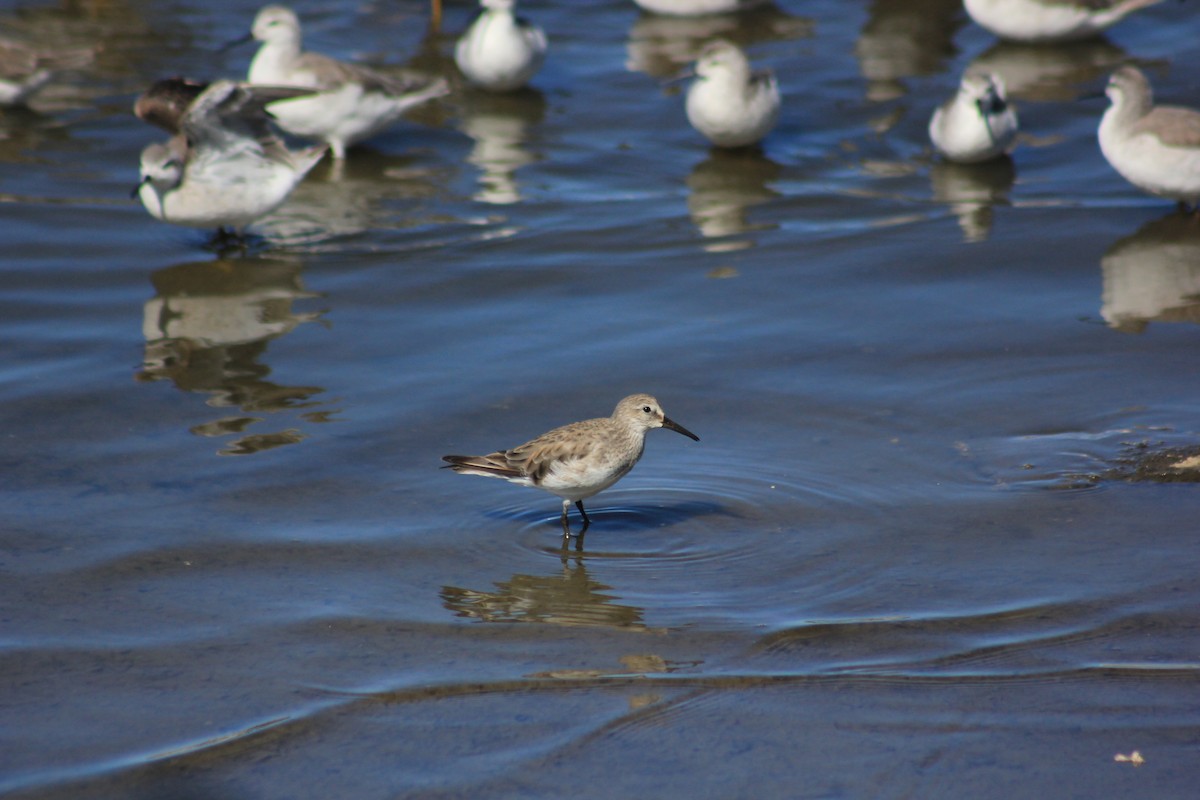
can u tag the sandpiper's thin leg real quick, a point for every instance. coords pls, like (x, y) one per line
(565, 523)
(435, 15)
(583, 530)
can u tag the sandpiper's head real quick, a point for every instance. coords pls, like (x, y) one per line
(643, 411)
(720, 57)
(1129, 85)
(985, 90)
(276, 24)
(161, 166)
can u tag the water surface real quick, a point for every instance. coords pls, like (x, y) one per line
(903, 560)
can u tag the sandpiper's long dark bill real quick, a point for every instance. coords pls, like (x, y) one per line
(578, 460)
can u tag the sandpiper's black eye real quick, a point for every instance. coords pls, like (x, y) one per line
(646, 409)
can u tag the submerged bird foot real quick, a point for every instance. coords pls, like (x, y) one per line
(566, 525)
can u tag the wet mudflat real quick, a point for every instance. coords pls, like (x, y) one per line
(915, 553)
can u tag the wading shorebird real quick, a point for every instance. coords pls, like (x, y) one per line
(578, 460)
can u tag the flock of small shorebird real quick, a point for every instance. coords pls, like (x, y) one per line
(225, 167)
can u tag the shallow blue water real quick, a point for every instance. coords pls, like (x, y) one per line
(898, 563)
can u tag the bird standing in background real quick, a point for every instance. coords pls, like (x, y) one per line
(977, 124)
(500, 52)
(224, 167)
(729, 103)
(347, 103)
(1156, 148)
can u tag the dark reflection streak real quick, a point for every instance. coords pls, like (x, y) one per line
(208, 744)
(152, 766)
(262, 736)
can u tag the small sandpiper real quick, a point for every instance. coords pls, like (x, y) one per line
(977, 124)
(352, 103)
(727, 102)
(223, 167)
(500, 52)
(1050, 20)
(1156, 148)
(578, 460)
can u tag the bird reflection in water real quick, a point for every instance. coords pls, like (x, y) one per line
(1153, 275)
(906, 39)
(206, 330)
(660, 46)
(569, 598)
(721, 189)
(1049, 74)
(972, 191)
(500, 125)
